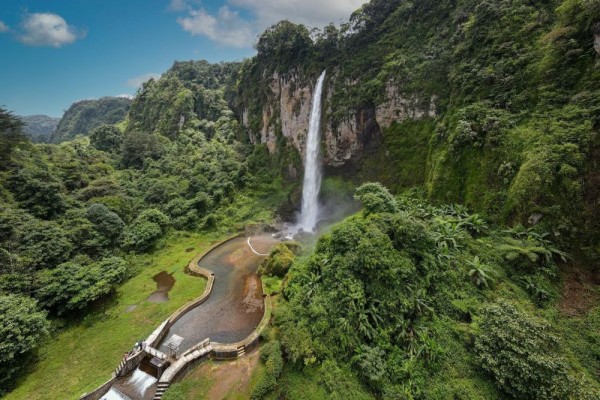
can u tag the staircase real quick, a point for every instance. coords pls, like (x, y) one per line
(160, 390)
(241, 351)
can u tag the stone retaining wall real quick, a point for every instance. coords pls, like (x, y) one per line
(99, 392)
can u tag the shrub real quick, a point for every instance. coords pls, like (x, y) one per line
(521, 353)
(174, 393)
(145, 231)
(375, 198)
(22, 326)
(279, 261)
(271, 355)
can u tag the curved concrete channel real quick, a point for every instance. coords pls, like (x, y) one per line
(235, 306)
(233, 309)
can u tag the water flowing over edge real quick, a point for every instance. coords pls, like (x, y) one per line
(312, 167)
(142, 381)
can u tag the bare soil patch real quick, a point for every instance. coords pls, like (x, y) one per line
(581, 290)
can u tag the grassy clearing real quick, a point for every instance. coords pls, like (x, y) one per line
(82, 355)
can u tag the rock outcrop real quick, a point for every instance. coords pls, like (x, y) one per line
(287, 113)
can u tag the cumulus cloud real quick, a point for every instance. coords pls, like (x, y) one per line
(137, 81)
(47, 29)
(177, 5)
(182, 5)
(3, 27)
(308, 12)
(228, 27)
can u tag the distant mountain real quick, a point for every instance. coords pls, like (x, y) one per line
(39, 127)
(85, 115)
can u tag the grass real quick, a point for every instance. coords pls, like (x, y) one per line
(272, 284)
(82, 355)
(236, 385)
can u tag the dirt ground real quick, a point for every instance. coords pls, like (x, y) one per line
(581, 291)
(228, 379)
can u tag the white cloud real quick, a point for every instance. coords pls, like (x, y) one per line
(229, 28)
(3, 27)
(47, 29)
(308, 12)
(177, 5)
(137, 81)
(126, 96)
(182, 5)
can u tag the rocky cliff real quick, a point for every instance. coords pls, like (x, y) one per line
(286, 113)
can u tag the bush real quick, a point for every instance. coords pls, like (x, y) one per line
(279, 261)
(106, 222)
(72, 286)
(106, 138)
(271, 355)
(521, 353)
(22, 326)
(174, 393)
(375, 198)
(145, 231)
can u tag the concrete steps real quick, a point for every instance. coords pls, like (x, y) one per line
(241, 351)
(160, 390)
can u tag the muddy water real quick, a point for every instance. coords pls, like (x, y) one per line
(235, 306)
(164, 283)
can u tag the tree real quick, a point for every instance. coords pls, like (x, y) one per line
(145, 231)
(22, 327)
(106, 222)
(11, 136)
(284, 43)
(138, 146)
(72, 286)
(107, 138)
(38, 191)
(45, 244)
(375, 198)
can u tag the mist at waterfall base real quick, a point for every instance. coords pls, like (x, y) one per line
(309, 214)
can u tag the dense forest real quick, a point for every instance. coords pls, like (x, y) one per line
(471, 270)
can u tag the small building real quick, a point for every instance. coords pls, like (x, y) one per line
(173, 345)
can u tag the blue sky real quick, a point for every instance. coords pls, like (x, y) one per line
(55, 52)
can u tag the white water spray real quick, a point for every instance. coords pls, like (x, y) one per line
(114, 394)
(312, 168)
(142, 381)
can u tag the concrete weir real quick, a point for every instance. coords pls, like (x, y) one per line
(222, 323)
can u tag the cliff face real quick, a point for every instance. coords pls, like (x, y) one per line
(286, 114)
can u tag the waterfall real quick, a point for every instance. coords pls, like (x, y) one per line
(114, 394)
(312, 168)
(142, 381)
